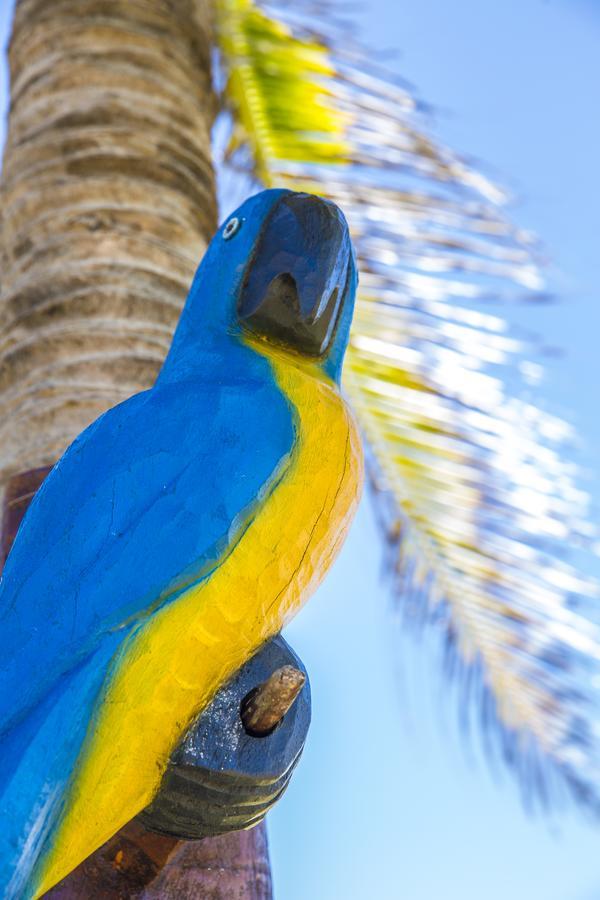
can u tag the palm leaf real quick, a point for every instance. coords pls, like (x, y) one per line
(479, 507)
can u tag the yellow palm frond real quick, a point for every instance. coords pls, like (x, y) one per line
(478, 504)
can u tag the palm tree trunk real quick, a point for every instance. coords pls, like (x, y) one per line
(107, 202)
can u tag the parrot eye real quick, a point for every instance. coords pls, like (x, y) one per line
(232, 228)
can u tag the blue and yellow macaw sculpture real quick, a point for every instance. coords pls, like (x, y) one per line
(179, 532)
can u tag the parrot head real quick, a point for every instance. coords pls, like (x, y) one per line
(299, 276)
(280, 270)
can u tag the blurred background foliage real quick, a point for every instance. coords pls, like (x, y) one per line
(481, 517)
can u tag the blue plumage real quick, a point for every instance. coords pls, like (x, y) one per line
(146, 502)
(135, 484)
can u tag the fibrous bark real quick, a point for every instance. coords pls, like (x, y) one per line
(107, 203)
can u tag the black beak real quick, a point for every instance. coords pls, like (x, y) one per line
(295, 283)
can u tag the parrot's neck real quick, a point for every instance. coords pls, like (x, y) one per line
(205, 338)
(204, 355)
(200, 363)
(234, 358)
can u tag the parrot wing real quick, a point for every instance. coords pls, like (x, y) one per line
(140, 506)
(143, 504)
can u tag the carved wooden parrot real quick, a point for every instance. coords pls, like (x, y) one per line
(179, 531)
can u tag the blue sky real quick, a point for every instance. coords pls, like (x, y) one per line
(399, 809)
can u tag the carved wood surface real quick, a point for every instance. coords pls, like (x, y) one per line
(137, 863)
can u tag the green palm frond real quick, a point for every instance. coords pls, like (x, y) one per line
(478, 505)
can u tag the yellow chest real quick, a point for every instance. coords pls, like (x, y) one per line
(172, 667)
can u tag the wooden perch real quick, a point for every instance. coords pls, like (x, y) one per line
(265, 706)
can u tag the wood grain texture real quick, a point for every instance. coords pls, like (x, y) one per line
(138, 864)
(122, 868)
(265, 706)
(231, 867)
